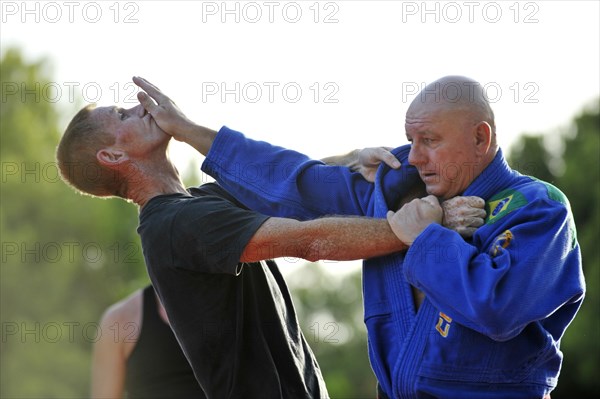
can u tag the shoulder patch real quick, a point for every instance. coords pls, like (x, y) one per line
(502, 204)
(553, 192)
(556, 195)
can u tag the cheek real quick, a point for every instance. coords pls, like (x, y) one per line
(442, 157)
(451, 172)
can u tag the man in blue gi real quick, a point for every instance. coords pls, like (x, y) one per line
(450, 317)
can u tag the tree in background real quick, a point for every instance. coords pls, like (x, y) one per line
(331, 315)
(65, 257)
(573, 166)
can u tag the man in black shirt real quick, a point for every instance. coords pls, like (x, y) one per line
(236, 322)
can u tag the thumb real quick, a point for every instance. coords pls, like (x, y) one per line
(390, 215)
(432, 200)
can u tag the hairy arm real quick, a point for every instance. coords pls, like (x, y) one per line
(333, 238)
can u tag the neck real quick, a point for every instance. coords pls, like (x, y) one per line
(152, 179)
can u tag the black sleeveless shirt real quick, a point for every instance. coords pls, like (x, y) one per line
(157, 367)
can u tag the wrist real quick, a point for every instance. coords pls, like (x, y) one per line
(199, 137)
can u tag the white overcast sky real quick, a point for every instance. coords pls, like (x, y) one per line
(320, 77)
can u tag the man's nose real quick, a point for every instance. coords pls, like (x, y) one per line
(415, 156)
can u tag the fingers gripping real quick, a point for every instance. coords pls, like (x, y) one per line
(464, 214)
(373, 156)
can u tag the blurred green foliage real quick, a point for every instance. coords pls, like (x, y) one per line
(572, 163)
(67, 257)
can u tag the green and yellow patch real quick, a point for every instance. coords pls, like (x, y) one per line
(502, 204)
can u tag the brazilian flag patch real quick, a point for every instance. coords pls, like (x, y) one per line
(502, 204)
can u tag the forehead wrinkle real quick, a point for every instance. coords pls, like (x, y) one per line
(414, 121)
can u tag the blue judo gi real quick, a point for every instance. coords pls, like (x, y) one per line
(496, 305)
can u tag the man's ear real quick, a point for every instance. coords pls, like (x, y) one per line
(111, 157)
(483, 137)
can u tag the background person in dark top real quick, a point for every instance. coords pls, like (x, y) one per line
(138, 356)
(231, 313)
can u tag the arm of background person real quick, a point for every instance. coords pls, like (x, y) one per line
(108, 363)
(109, 357)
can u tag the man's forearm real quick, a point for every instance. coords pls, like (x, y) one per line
(351, 238)
(333, 238)
(199, 137)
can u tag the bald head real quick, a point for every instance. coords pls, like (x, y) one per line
(455, 93)
(450, 125)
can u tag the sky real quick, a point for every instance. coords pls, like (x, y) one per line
(320, 77)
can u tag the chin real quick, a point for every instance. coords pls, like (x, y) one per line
(432, 190)
(439, 192)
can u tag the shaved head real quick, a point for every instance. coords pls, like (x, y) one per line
(457, 93)
(450, 125)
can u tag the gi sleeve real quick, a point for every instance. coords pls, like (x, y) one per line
(281, 182)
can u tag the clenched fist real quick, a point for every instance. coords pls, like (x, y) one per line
(414, 217)
(464, 214)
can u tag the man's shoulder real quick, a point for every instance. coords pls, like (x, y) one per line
(168, 205)
(548, 190)
(534, 189)
(213, 190)
(525, 191)
(160, 210)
